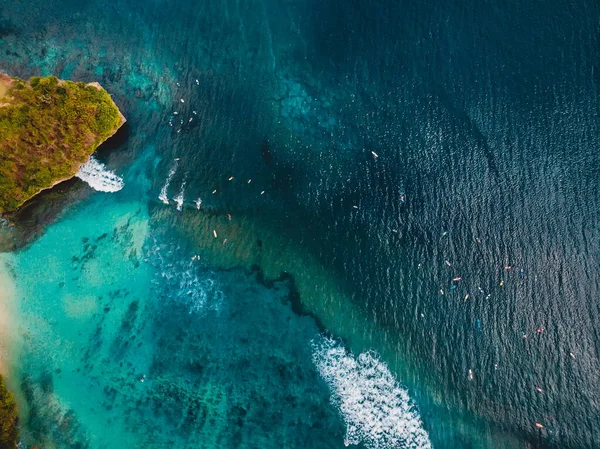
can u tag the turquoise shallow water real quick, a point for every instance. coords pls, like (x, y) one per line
(349, 160)
(134, 346)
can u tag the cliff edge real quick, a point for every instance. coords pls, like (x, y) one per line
(48, 129)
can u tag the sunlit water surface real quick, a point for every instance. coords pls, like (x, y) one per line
(326, 223)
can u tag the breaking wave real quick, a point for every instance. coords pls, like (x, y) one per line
(99, 177)
(179, 198)
(377, 411)
(163, 192)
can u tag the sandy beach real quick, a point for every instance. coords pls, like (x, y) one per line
(10, 343)
(8, 326)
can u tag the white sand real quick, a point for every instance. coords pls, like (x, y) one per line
(8, 325)
(10, 341)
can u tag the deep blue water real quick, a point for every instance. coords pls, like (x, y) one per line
(377, 150)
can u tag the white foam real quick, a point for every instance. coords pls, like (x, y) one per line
(163, 192)
(185, 282)
(377, 411)
(198, 203)
(199, 291)
(99, 177)
(179, 198)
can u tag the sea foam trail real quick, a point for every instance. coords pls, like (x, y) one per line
(99, 177)
(163, 192)
(377, 411)
(179, 198)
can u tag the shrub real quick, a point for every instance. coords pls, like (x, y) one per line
(47, 131)
(9, 433)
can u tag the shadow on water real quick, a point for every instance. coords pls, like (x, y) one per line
(29, 222)
(116, 143)
(450, 104)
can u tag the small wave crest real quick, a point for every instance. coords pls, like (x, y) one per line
(377, 411)
(179, 198)
(163, 196)
(201, 293)
(185, 282)
(99, 177)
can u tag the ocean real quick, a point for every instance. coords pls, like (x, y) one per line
(325, 224)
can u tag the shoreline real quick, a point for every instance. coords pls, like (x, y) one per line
(7, 313)
(10, 343)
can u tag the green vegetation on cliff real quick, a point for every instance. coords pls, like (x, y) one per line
(8, 419)
(48, 128)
